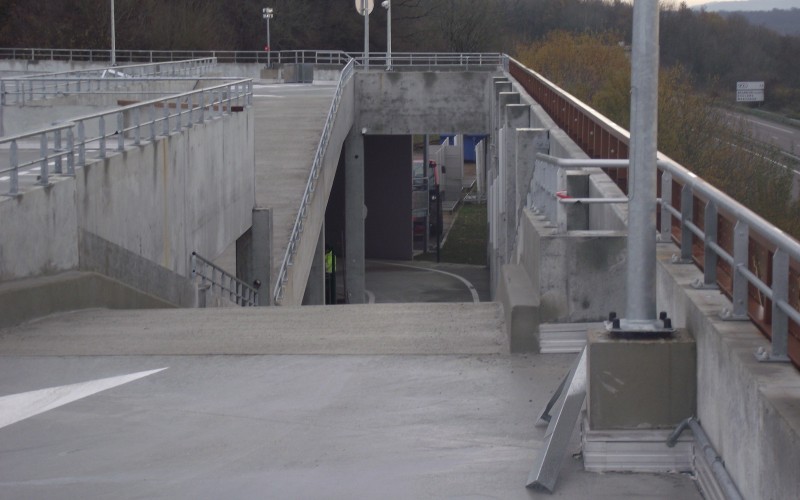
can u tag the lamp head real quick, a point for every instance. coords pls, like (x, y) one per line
(386, 4)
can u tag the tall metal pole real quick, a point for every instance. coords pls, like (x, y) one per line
(641, 278)
(113, 37)
(387, 4)
(365, 11)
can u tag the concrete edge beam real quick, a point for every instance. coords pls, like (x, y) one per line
(520, 301)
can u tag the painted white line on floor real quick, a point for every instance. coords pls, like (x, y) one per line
(16, 407)
(471, 288)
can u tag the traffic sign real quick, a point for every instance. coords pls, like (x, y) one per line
(360, 6)
(749, 91)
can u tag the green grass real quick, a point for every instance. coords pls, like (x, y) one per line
(466, 243)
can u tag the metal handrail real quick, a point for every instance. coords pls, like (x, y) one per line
(601, 138)
(297, 228)
(335, 57)
(144, 122)
(548, 186)
(237, 290)
(18, 90)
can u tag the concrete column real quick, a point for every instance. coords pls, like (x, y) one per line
(354, 213)
(254, 255)
(530, 142)
(315, 288)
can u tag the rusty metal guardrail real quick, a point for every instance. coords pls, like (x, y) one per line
(751, 261)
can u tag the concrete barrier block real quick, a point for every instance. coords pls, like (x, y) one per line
(520, 302)
(641, 384)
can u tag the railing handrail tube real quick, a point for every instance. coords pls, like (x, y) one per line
(732, 207)
(121, 69)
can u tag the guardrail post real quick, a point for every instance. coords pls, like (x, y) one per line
(102, 128)
(138, 123)
(57, 148)
(14, 174)
(166, 117)
(178, 115)
(709, 254)
(741, 240)
(81, 144)
(2, 92)
(151, 111)
(70, 152)
(780, 294)
(666, 201)
(120, 132)
(687, 214)
(44, 174)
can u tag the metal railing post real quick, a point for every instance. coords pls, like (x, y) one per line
(14, 174)
(687, 214)
(138, 121)
(102, 129)
(81, 144)
(166, 118)
(70, 152)
(741, 240)
(44, 174)
(57, 148)
(666, 201)
(120, 132)
(780, 295)
(152, 119)
(710, 257)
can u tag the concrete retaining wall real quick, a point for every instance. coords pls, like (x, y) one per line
(190, 191)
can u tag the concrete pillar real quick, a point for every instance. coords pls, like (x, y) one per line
(315, 288)
(530, 142)
(354, 213)
(254, 255)
(516, 116)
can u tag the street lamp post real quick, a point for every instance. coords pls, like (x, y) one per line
(387, 4)
(113, 37)
(268, 13)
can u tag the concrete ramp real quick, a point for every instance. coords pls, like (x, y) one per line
(381, 329)
(288, 126)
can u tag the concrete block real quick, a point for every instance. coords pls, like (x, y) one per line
(641, 384)
(520, 302)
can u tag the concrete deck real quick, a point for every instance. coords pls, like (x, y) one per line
(333, 402)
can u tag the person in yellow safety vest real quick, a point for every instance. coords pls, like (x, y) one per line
(330, 276)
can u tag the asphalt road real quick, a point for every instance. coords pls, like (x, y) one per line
(785, 137)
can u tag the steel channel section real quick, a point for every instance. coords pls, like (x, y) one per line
(687, 212)
(710, 258)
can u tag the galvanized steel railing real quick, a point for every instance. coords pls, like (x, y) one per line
(333, 57)
(297, 229)
(548, 189)
(749, 259)
(41, 86)
(69, 142)
(229, 286)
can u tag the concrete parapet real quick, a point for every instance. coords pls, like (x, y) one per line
(520, 301)
(579, 275)
(24, 300)
(748, 409)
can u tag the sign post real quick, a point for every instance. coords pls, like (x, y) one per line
(364, 7)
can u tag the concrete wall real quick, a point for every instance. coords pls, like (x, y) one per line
(748, 409)
(387, 194)
(190, 191)
(425, 102)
